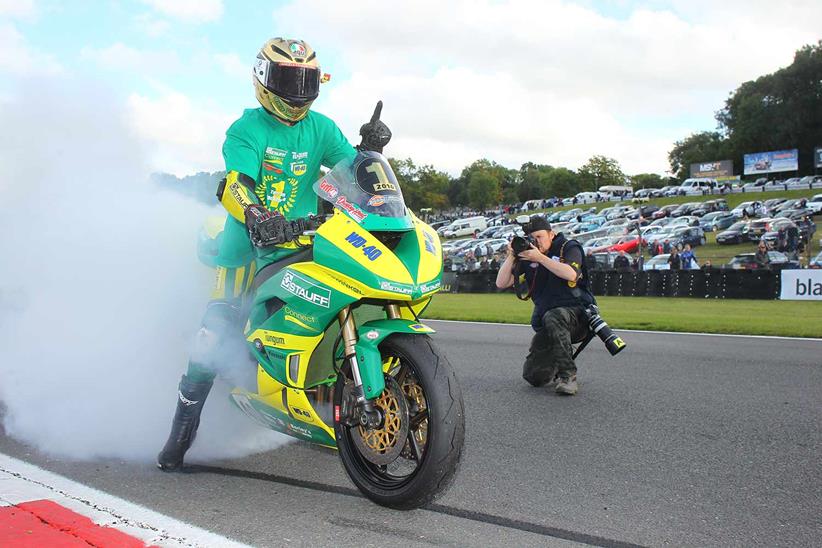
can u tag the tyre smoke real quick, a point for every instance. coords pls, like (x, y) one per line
(100, 288)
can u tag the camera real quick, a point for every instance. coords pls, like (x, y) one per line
(520, 244)
(600, 328)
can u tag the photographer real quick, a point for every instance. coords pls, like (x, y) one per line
(557, 279)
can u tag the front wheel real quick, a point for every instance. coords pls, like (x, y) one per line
(413, 455)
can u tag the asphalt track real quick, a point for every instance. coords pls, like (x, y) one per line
(681, 440)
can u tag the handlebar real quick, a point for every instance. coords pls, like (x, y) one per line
(276, 230)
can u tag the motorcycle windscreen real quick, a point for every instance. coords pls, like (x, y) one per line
(366, 189)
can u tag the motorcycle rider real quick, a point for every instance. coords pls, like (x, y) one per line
(272, 157)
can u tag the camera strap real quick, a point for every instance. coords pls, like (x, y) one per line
(575, 291)
(518, 272)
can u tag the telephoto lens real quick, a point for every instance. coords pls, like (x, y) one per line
(612, 342)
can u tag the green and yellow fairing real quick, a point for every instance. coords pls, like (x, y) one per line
(294, 316)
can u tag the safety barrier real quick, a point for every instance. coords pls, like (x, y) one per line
(707, 284)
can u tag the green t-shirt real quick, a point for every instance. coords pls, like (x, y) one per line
(284, 161)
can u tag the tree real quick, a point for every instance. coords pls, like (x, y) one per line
(648, 180)
(706, 146)
(778, 111)
(600, 171)
(483, 190)
(421, 186)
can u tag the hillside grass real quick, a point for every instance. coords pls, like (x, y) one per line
(731, 316)
(732, 199)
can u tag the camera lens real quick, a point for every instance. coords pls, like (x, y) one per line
(612, 342)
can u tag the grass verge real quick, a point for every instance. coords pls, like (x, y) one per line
(744, 317)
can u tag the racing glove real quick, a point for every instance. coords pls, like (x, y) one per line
(267, 228)
(375, 134)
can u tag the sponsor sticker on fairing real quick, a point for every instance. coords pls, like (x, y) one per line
(395, 288)
(430, 286)
(356, 213)
(328, 189)
(376, 201)
(306, 289)
(429, 243)
(371, 335)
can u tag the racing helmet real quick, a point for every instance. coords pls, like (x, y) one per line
(286, 78)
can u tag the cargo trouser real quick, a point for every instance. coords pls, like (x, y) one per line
(551, 352)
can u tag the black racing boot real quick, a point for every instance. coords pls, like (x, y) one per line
(190, 400)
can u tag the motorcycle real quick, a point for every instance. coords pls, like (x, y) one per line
(342, 359)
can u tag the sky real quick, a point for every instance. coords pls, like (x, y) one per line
(547, 81)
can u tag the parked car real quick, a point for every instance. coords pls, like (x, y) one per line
(569, 215)
(664, 221)
(602, 260)
(618, 212)
(685, 209)
(716, 220)
(815, 204)
(751, 209)
(755, 186)
(687, 220)
(710, 206)
(664, 211)
(463, 227)
(688, 235)
(646, 212)
(628, 244)
(754, 230)
(697, 186)
(733, 234)
(657, 262)
(796, 203)
(747, 261)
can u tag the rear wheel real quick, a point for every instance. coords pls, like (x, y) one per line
(414, 453)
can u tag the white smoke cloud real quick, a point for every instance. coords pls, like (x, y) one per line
(100, 289)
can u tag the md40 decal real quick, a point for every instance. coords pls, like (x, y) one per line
(359, 242)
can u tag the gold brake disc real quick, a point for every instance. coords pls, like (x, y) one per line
(383, 445)
(414, 394)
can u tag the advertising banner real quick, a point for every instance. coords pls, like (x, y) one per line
(771, 162)
(801, 285)
(817, 154)
(721, 168)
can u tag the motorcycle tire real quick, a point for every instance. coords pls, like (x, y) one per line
(445, 429)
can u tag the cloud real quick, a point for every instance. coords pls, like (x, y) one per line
(189, 11)
(16, 57)
(184, 136)
(547, 81)
(21, 9)
(151, 26)
(232, 65)
(121, 57)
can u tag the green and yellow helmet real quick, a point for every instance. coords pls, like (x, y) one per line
(287, 78)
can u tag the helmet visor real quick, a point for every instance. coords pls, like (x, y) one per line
(294, 83)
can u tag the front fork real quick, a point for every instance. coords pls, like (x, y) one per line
(370, 417)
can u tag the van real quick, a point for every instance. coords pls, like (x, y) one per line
(465, 227)
(697, 187)
(587, 197)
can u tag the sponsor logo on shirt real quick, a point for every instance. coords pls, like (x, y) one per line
(298, 168)
(299, 155)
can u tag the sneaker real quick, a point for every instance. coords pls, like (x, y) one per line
(567, 386)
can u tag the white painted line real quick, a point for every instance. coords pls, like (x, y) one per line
(426, 320)
(21, 481)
